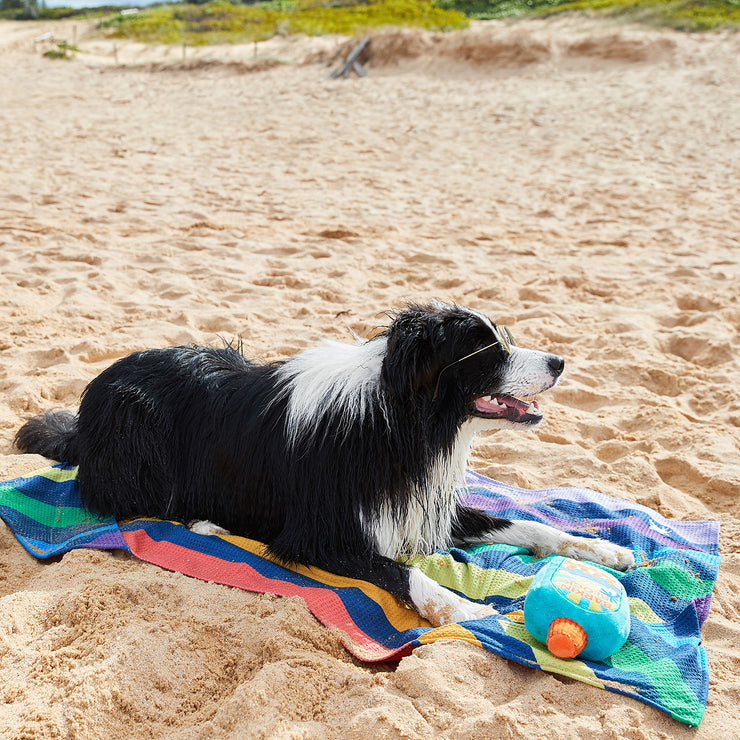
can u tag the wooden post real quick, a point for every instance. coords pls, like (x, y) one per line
(352, 62)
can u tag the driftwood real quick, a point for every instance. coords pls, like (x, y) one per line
(352, 62)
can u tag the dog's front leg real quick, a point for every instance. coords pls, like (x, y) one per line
(437, 604)
(474, 526)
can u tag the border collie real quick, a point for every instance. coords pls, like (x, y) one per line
(348, 457)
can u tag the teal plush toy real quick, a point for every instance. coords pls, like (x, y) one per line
(577, 609)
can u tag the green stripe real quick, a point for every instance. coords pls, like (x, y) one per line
(678, 581)
(472, 580)
(548, 662)
(666, 679)
(50, 516)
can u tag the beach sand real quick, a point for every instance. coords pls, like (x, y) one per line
(577, 181)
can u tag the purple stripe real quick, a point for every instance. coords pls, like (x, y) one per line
(112, 540)
(700, 533)
(701, 604)
(635, 522)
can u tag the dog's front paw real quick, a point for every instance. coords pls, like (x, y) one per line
(466, 610)
(440, 606)
(450, 608)
(203, 526)
(601, 552)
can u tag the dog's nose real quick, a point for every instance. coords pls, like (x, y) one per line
(556, 365)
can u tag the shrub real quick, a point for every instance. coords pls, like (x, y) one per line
(218, 22)
(684, 15)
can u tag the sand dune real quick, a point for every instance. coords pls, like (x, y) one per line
(577, 181)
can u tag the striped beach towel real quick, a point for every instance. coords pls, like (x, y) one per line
(663, 662)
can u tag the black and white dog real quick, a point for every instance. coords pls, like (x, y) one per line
(345, 456)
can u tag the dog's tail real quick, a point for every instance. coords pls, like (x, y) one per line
(53, 435)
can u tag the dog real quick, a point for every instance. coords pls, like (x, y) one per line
(348, 457)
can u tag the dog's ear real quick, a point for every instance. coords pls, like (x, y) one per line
(412, 360)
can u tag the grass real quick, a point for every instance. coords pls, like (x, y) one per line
(684, 15)
(54, 14)
(63, 51)
(222, 22)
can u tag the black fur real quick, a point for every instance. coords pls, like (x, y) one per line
(201, 433)
(53, 435)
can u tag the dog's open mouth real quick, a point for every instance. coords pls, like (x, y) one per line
(509, 408)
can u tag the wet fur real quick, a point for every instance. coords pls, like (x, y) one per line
(338, 457)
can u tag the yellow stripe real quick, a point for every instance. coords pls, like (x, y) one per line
(548, 662)
(56, 474)
(401, 617)
(642, 611)
(453, 631)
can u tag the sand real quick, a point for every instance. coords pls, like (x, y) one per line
(577, 181)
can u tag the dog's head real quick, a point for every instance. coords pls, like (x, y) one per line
(456, 360)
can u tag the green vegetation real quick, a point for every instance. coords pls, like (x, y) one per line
(22, 10)
(222, 22)
(684, 15)
(63, 51)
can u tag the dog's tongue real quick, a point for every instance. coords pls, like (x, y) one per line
(507, 406)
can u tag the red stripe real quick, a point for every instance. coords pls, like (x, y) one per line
(324, 603)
